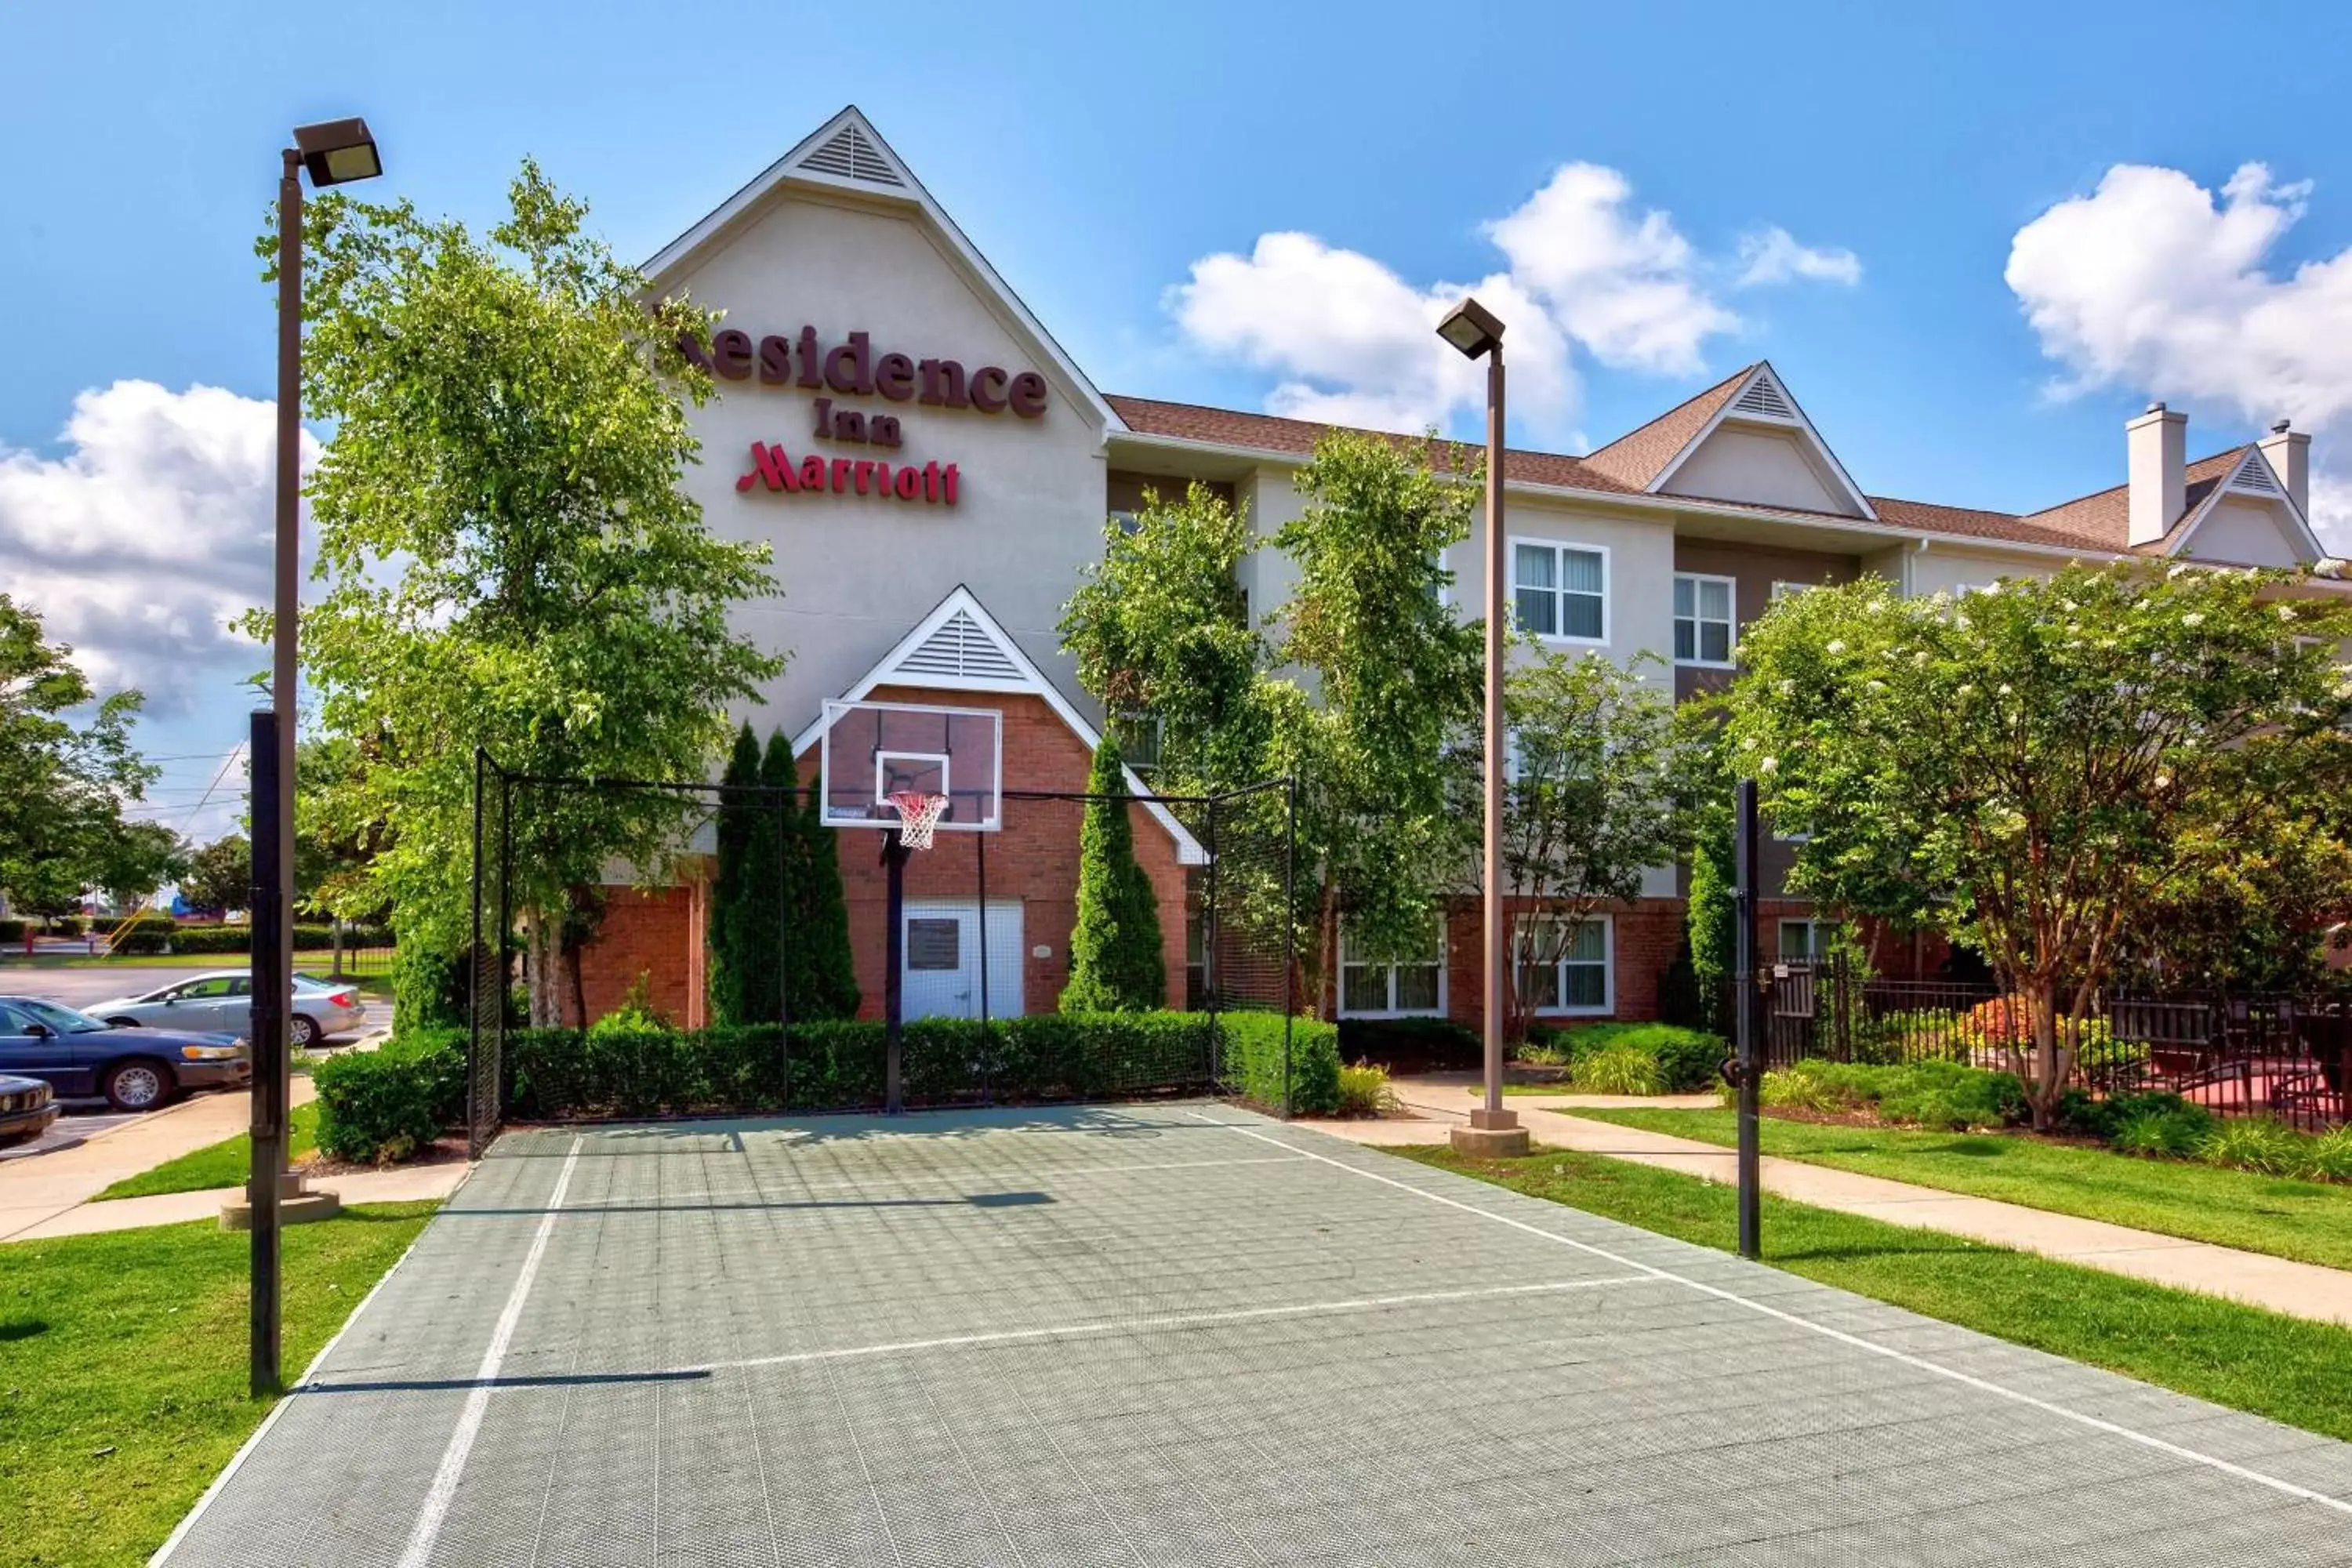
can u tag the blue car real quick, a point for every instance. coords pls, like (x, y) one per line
(136, 1069)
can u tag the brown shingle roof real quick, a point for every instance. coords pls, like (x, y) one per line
(2099, 522)
(1639, 456)
(2103, 518)
(1266, 433)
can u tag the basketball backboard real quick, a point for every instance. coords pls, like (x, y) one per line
(870, 751)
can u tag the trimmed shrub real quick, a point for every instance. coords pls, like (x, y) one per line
(1116, 964)
(384, 1105)
(1435, 1041)
(821, 973)
(735, 886)
(144, 940)
(1686, 1059)
(1619, 1069)
(429, 990)
(1253, 1060)
(635, 1016)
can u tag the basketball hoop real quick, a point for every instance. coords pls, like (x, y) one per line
(918, 814)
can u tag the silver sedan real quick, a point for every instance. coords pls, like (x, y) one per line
(221, 1001)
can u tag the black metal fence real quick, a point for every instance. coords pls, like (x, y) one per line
(2288, 1057)
(985, 922)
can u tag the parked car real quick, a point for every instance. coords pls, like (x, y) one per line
(27, 1106)
(136, 1069)
(222, 1001)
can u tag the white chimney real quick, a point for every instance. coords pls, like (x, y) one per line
(2158, 471)
(2288, 452)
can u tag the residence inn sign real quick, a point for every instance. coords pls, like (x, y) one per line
(852, 368)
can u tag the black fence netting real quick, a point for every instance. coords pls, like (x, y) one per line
(746, 958)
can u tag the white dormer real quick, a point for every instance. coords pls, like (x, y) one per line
(1759, 447)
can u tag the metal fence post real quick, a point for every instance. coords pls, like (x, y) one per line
(987, 1075)
(473, 989)
(503, 1079)
(1289, 933)
(1209, 956)
(1748, 1071)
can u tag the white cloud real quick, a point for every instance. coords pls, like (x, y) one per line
(1352, 341)
(1773, 255)
(2154, 283)
(147, 535)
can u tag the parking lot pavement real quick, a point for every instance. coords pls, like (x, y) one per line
(82, 1120)
(80, 987)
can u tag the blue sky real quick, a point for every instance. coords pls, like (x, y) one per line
(1099, 156)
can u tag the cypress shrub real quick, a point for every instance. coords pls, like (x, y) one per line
(822, 975)
(731, 883)
(430, 990)
(1116, 964)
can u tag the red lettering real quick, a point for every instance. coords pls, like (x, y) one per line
(776, 362)
(942, 383)
(730, 355)
(948, 483)
(850, 366)
(812, 368)
(841, 476)
(813, 473)
(894, 378)
(988, 389)
(771, 465)
(931, 482)
(1029, 394)
(910, 483)
(864, 467)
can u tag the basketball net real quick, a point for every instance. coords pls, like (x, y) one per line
(918, 813)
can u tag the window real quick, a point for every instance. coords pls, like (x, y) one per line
(1560, 591)
(1139, 736)
(1788, 590)
(1370, 989)
(1579, 979)
(1806, 941)
(1703, 620)
(1128, 522)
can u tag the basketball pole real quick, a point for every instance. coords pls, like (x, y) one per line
(894, 962)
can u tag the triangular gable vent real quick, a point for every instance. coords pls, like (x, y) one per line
(849, 156)
(959, 650)
(1765, 400)
(2253, 476)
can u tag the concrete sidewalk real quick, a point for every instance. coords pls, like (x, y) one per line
(410, 1183)
(36, 1191)
(2278, 1284)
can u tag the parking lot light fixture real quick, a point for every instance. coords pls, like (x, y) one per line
(1478, 333)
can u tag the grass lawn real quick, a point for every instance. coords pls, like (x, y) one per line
(2309, 1221)
(2285, 1368)
(223, 1164)
(122, 1367)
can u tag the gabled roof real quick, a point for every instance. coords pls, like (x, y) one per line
(1636, 458)
(1761, 398)
(847, 154)
(960, 647)
(2102, 519)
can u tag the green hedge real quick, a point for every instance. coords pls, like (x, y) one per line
(1688, 1059)
(383, 1104)
(239, 939)
(386, 1104)
(1437, 1042)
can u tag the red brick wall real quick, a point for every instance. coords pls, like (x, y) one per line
(656, 932)
(1034, 859)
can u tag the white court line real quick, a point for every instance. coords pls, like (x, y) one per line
(444, 1490)
(1135, 1325)
(952, 1179)
(2289, 1488)
(246, 1448)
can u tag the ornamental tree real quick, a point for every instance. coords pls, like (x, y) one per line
(67, 765)
(1591, 801)
(1375, 732)
(219, 875)
(1115, 963)
(820, 973)
(2039, 769)
(509, 561)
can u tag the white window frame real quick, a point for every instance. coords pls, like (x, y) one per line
(1511, 563)
(1787, 590)
(1125, 724)
(1608, 924)
(1391, 1010)
(1730, 624)
(1815, 927)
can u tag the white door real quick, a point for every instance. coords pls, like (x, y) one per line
(941, 975)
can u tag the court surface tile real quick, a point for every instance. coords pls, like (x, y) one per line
(1180, 1334)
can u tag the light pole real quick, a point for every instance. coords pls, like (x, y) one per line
(334, 152)
(1493, 1130)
